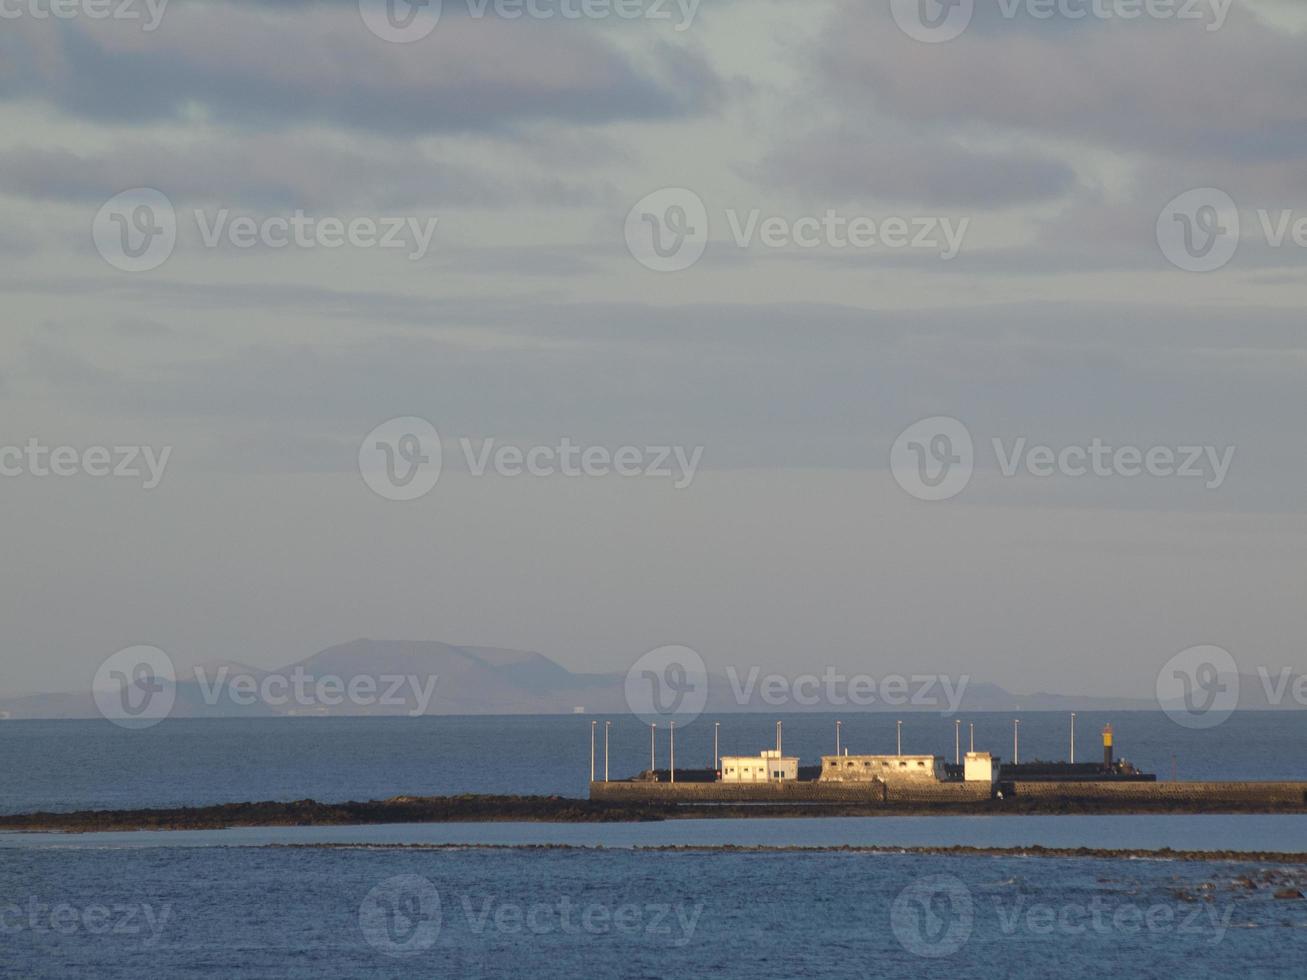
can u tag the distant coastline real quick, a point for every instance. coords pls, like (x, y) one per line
(557, 809)
(442, 679)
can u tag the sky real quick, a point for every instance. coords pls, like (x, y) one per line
(850, 302)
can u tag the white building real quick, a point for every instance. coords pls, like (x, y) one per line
(980, 767)
(768, 766)
(886, 768)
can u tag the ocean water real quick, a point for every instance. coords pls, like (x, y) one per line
(69, 765)
(550, 900)
(244, 912)
(1180, 831)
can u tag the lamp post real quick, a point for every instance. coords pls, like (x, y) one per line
(1016, 741)
(671, 761)
(653, 732)
(592, 751)
(837, 737)
(898, 726)
(607, 725)
(972, 726)
(716, 759)
(957, 741)
(1073, 738)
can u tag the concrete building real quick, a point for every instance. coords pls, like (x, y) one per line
(980, 767)
(885, 768)
(769, 766)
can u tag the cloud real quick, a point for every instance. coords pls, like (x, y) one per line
(275, 170)
(246, 65)
(905, 166)
(786, 384)
(1163, 87)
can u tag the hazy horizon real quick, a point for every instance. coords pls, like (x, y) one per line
(532, 316)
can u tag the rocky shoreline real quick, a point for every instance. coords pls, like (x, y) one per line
(946, 850)
(556, 809)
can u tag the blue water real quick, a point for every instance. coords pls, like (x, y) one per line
(1184, 832)
(65, 765)
(238, 904)
(249, 912)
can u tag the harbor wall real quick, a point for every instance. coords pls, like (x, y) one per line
(1122, 793)
(787, 792)
(1197, 792)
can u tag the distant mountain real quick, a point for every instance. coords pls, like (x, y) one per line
(368, 677)
(389, 677)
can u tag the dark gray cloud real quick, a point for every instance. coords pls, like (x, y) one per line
(906, 166)
(243, 65)
(1158, 86)
(278, 170)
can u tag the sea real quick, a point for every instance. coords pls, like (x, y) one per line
(775, 897)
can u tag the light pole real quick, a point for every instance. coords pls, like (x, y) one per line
(592, 751)
(837, 737)
(671, 762)
(716, 759)
(653, 732)
(898, 725)
(972, 726)
(1073, 738)
(607, 725)
(957, 741)
(1016, 741)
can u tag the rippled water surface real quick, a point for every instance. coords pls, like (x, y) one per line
(62, 765)
(183, 911)
(241, 903)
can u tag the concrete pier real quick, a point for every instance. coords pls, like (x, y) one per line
(1085, 793)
